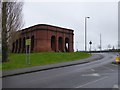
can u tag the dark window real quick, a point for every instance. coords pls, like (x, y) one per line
(53, 43)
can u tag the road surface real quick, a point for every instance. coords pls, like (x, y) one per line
(97, 74)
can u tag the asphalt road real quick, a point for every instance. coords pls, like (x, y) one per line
(97, 74)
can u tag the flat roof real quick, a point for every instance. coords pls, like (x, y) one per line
(47, 26)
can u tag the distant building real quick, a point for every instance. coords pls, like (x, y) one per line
(45, 38)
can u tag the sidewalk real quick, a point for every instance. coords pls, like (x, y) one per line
(94, 57)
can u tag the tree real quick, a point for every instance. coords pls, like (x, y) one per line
(11, 23)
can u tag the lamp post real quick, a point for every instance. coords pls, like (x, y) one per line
(86, 33)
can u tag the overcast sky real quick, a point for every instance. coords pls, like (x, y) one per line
(70, 14)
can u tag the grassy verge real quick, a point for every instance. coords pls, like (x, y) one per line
(40, 59)
(0, 62)
(0, 66)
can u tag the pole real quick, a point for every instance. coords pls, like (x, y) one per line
(28, 48)
(29, 54)
(26, 55)
(90, 48)
(85, 34)
(76, 46)
(100, 43)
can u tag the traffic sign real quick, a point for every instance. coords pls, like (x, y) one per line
(28, 42)
(90, 42)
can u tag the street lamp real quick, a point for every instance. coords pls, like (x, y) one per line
(86, 33)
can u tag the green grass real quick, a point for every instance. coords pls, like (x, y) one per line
(39, 59)
(0, 66)
(0, 62)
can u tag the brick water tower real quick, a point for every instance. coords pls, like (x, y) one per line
(45, 38)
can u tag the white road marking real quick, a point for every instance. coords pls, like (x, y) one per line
(115, 86)
(115, 64)
(108, 68)
(92, 70)
(91, 82)
(93, 74)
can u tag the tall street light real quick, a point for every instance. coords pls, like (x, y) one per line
(86, 33)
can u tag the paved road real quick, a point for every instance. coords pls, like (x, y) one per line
(97, 74)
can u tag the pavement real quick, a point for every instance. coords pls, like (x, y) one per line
(7, 73)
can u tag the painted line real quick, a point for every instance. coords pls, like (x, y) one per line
(93, 74)
(92, 70)
(115, 64)
(91, 82)
(108, 73)
(115, 86)
(108, 68)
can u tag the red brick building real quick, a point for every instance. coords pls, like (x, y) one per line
(45, 38)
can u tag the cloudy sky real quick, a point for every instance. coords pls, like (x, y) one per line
(71, 13)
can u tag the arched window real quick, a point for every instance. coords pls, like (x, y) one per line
(16, 48)
(32, 43)
(13, 47)
(53, 43)
(19, 45)
(67, 44)
(60, 44)
(23, 45)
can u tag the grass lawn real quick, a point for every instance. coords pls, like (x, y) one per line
(0, 62)
(0, 66)
(40, 59)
